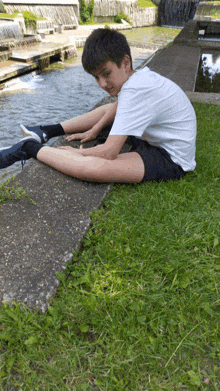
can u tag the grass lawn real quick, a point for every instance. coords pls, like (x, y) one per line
(4, 15)
(146, 3)
(152, 34)
(139, 307)
(8, 16)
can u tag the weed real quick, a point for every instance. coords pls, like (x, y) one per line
(120, 16)
(11, 192)
(86, 12)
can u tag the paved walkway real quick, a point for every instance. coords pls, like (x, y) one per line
(38, 239)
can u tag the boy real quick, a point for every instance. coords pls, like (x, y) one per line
(152, 113)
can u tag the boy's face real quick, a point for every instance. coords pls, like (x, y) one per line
(110, 77)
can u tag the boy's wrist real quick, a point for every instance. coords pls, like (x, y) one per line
(98, 151)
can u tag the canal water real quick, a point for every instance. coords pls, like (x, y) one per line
(47, 98)
(208, 78)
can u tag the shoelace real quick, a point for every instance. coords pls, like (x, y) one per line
(23, 162)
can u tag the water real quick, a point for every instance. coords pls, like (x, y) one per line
(177, 12)
(208, 78)
(10, 30)
(47, 98)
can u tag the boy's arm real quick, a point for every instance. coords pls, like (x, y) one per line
(90, 123)
(109, 150)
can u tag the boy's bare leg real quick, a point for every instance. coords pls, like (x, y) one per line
(85, 127)
(127, 167)
(88, 120)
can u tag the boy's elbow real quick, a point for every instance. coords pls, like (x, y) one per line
(111, 155)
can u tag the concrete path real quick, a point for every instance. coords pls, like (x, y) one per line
(38, 239)
(179, 64)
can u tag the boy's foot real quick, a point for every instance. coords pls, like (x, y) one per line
(35, 132)
(11, 155)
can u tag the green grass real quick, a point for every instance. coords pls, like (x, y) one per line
(215, 13)
(146, 3)
(153, 34)
(14, 15)
(139, 307)
(8, 16)
(8, 192)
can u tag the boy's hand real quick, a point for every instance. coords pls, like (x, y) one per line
(109, 150)
(73, 150)
(89, 135)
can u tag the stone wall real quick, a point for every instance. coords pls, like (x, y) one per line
(1, 6)
(105, 11)
(204, 11)
(142, 17)
(58, 13)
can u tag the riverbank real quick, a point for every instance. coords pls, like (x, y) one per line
(33, 230)
(138, 293)
(138, 305)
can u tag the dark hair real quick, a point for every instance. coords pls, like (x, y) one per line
(103, 45)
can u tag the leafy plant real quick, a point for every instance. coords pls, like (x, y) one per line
(86, 12)
(11, 192)
(30, 19)
(121, 16)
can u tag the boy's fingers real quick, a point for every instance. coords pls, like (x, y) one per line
(76, 136)
(85, 139)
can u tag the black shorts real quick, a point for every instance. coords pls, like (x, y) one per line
(157, 162)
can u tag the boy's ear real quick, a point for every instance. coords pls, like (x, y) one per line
(126, 61)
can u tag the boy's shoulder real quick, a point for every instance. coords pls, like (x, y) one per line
(145, 78)
(143, 74)
(142, 78)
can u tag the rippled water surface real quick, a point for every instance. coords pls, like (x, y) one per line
(46, 98)
(50, 97)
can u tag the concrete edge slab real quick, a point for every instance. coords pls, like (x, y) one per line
(37, 240)
(16, 69)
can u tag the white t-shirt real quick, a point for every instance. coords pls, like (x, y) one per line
(155, 109)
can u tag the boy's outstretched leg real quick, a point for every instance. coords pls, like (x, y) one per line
(18, 152)
(126, 168)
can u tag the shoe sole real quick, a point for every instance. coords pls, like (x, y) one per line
(28, 133)
(27, 137)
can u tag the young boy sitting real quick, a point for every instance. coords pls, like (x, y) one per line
(152, 113)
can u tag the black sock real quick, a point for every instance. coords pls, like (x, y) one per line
(53, 130)
(32, 148)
